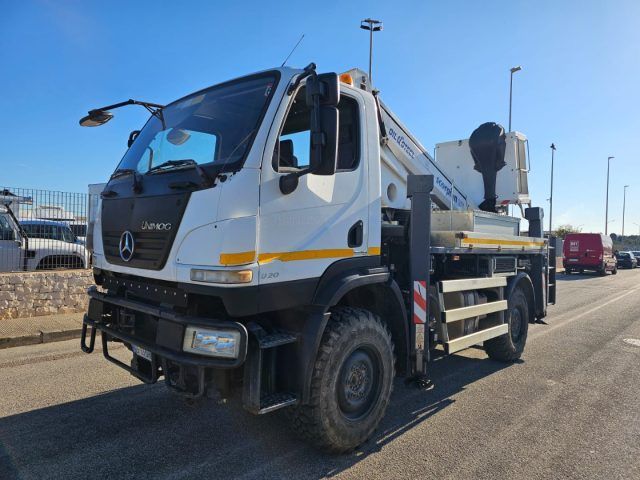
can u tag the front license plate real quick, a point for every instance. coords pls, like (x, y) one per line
(141, 352)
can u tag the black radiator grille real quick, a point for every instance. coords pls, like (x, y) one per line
(140, 216)
(149, 252)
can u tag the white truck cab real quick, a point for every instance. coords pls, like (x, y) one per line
(245, 222)
(274, 233)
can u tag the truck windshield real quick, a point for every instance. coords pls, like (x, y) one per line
(212, 127)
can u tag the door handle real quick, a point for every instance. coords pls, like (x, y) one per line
(354, 237)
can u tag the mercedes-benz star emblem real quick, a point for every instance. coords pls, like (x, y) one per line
(127, 246)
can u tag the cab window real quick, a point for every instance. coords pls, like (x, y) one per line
(293, 148)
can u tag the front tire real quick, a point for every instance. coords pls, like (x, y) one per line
(351, 382)
(509, 347)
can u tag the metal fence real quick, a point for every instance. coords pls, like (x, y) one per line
(43, 229)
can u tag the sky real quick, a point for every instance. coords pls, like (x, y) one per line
(442, 66)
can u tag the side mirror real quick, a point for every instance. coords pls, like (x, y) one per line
(323, 96)
(132, 138)
(96, 118)
(326, 87)
(324, 152)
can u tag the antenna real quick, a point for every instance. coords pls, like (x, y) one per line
(292, 50)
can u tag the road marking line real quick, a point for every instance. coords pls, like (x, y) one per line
(580, 315)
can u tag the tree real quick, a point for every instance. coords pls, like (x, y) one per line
(563, 230)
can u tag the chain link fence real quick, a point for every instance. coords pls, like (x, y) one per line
(43, 229)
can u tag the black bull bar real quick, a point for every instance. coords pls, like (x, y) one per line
(168, 345)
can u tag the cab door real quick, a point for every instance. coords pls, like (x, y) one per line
(10, 245)
(325, 218)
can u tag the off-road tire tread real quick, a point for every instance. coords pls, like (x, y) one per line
(306, 419)
(502, 348)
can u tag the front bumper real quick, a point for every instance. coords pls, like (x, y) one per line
(166, 349)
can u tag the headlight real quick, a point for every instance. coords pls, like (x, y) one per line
(215, 343)
(221, 276)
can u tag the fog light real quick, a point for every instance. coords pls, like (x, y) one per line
(215, 343)
(221, 276)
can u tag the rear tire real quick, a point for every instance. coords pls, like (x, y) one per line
(567, 271)
(509, 347)
(614, 271)
(351, 382)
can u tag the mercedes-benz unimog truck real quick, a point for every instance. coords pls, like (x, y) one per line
(283, 236)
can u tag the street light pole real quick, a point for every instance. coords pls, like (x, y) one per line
(624, 204)
(373, 26)
(606, 214)
(553, 149)
(513, 70)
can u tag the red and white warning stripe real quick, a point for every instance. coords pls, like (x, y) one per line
(419, 302)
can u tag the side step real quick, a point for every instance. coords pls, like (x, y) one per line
(471, 311)
(276, 340)
(451, 315)
(552, 270)
(446, 286)
(476, 337)
(257, 397)
(274, 401)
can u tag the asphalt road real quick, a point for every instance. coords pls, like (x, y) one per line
(569, 409)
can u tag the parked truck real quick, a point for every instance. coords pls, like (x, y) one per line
(284, 236)
(27, 245)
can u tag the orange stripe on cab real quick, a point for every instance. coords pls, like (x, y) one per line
(240, 258)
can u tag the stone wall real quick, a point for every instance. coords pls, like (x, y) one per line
(31, 294)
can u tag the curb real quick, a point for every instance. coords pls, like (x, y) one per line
(40, 337)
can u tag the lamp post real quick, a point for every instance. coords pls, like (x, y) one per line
(373, 26)
(624, 204)
(606, 214)
(553, 149)
(513, 70)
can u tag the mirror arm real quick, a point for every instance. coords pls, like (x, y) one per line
(308, 70)
(154, 109)
(289, 182)
(131, 101)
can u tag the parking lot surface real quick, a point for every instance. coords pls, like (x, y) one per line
(569, 409)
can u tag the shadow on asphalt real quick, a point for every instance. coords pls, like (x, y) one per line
(146, 431)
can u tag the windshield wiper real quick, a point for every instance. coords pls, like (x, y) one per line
(207, 180)
(172, 164)
(121, 172)
(137, 178)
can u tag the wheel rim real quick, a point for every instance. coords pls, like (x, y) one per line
(358, 383)
(516, 324)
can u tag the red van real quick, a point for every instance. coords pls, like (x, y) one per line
(588, 251)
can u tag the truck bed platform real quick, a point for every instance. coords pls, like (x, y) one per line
(474, 241)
